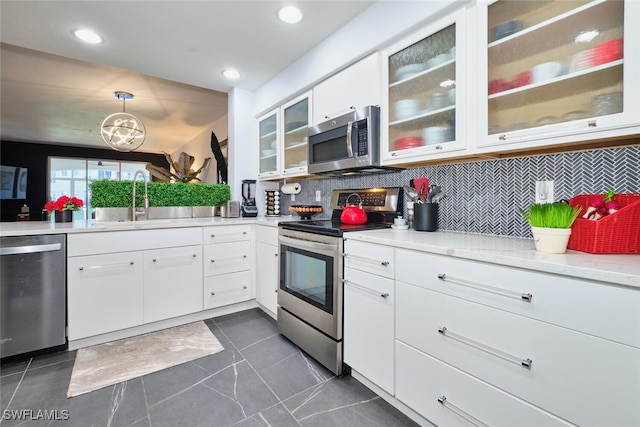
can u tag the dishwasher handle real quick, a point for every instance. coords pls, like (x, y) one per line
(30, 249)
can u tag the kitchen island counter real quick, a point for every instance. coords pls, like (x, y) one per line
(512, 252)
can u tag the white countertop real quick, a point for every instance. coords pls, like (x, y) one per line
(507, 251)
(25, 228)
(514, 252)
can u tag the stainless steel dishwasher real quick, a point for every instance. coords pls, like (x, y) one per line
(32, 293)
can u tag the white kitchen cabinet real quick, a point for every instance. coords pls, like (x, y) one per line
(425, 110)
(578, 377)
(105, 293)
(356, 87)
(296, 117)
(172, 282)
(113, 283)
(267, 268)
(556, 71)
(282, 137)
(369, 325)
(269, 145)
(226, 265)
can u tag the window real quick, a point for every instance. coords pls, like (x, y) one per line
(72, 176)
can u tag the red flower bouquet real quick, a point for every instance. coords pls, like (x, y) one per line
(64, 203)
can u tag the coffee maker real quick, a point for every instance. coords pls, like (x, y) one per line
(249, 208)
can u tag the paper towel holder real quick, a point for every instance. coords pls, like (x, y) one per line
(292, 188)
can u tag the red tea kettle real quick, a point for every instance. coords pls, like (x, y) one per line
(353, 214)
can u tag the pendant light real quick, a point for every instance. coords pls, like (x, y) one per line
(123, 131)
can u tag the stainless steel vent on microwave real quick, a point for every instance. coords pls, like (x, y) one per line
(347, 143)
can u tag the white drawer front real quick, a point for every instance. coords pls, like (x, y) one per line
(581, 378)
(225, 233)
(449, 397)
(226, 289)
(226, 258)
(369, 257)
(576, 304)
(135, 240)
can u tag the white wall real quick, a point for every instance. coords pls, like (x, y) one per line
(200, 148)
(243, 140)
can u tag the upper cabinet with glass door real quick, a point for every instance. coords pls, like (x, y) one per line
(425, 82)
(296, 116)
(268, 145)
(558, 68)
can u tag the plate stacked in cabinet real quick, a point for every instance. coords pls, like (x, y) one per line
(272, 202)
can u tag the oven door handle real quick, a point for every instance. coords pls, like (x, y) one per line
(305, 244)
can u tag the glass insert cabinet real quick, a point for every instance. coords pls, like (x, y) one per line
(295, 124)
(424, 80)
(282, 135)
(554, 67)
(268, 144)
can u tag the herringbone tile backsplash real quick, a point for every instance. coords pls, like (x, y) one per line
(484, 197)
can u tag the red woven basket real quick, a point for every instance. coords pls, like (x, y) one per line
(618, 233)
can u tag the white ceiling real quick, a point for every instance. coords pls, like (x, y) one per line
(169, 54)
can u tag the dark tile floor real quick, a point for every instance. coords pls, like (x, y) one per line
(260, 379)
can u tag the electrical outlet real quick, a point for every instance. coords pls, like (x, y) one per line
(544, 192)
(293, 197)
(318, 196)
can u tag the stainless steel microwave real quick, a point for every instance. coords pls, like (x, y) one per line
(347, 143)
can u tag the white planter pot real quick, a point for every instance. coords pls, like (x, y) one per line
(551, 240)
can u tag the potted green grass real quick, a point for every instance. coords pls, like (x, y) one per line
(551, 225)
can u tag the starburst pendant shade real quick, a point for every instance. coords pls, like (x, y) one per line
(123, 131)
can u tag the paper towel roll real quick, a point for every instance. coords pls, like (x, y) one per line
(293, 188)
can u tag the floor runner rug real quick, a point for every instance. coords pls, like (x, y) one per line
(113, 362)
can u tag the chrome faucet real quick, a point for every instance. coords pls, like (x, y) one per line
(134, 211)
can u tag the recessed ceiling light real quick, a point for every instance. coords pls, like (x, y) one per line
(231, 73)
(290, 14)
(88, 36)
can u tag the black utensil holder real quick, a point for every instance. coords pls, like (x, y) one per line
(425, 217)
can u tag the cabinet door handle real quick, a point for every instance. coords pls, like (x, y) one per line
(361, 258)
(96, 267)
(173, 257)
(461, 412)
(230, 290)
(228, 258)
(525, 363)
(363, 288)
(486, 288)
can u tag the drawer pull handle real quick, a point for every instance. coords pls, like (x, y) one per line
(525, 363)
(229, 290)
(363, 288)
(174, 257)
(461, 412)
(361, 258)
(96, 267)
(486, 288)
(228, 258)
(213, 236)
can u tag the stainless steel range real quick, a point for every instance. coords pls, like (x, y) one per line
(311, 272)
